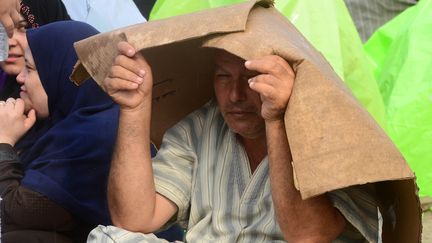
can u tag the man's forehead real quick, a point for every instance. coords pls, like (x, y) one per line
(224, 57)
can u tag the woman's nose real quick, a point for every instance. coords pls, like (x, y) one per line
(20, 77)
(12, 41)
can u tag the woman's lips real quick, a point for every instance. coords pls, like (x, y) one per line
(13, 58)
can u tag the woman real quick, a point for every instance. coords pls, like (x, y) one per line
(53, 179)
(10, 67)
(35, 13)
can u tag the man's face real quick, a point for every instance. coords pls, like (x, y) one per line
(240, 106)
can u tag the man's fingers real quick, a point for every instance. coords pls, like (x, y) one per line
(270, 87)
(129, 57)
(265, 78)
(123, 73)
(126, 49)
(30, 119)
(274, 65)
(263, 89)
(113, 85)
(122, 62)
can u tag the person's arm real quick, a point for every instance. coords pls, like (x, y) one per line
(9, 15)
(132, 199)
(22, 208)
(311, 220)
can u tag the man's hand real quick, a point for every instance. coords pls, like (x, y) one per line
(311, 220)
(14, 123)
(274, 84)
(9, 15)
(130, 80)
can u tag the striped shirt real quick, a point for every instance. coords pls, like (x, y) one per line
(204, 170)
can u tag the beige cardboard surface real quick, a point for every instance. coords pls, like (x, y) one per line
(334, 142)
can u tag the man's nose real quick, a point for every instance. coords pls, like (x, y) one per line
(238, 90)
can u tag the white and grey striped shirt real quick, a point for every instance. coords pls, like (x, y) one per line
(205, 172)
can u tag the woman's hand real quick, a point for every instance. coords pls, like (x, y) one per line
(13, 122)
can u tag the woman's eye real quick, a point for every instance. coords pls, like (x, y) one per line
(22, 26)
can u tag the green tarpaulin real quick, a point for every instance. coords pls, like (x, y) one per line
(401, 52)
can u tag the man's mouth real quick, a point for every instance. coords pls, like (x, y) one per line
(239, 113)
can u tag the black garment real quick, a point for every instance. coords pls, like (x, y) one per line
(41, 12)
(145, 7)
(11, 88)
(18, 212)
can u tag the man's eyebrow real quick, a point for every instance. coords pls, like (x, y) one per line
(220, 68)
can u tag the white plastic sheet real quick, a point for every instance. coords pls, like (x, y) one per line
(104, 15)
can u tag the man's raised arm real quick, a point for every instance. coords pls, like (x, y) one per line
(311, 220)
(134, 205)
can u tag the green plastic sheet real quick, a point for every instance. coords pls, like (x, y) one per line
(327, 25)
(401, 53)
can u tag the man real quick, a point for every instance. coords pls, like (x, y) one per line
(224, 171)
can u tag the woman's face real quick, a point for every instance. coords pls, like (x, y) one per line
(32, 91)
(17, 44)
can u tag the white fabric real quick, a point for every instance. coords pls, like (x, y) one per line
(104, 15)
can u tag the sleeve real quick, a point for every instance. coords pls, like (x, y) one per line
(359, 207)
(24, 208)
(174, 164)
